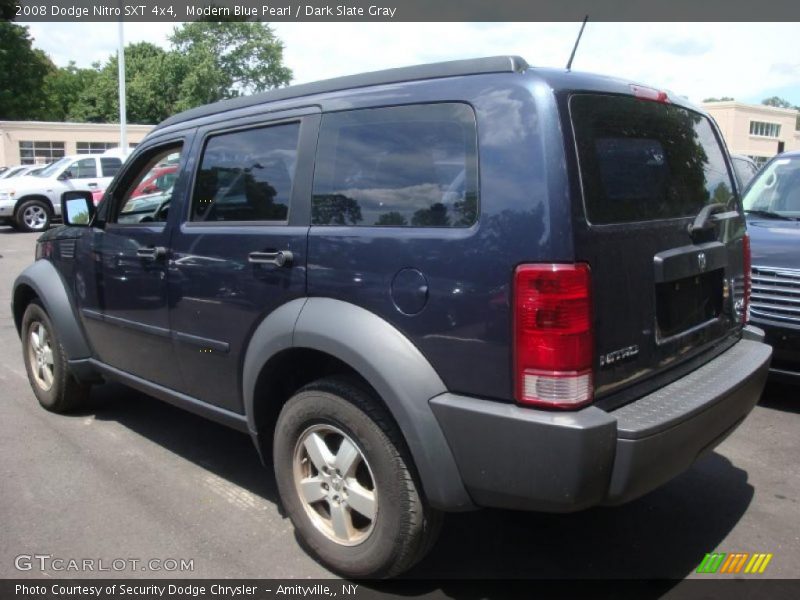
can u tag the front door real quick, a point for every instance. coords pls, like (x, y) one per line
(240, 251)
(127, 317)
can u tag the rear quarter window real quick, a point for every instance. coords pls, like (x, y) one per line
(641, 160)
(110, 166)
(405, 166)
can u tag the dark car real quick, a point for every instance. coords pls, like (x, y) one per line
(429, 289)
(772, 205)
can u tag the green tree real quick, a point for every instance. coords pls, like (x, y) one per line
(23, 70)
(64, 89)
(723, 99)
(392, 219)
(8, 9)
(227, 59)
(152, 80)
(776, 101)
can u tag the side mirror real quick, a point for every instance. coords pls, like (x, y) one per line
(77, 208)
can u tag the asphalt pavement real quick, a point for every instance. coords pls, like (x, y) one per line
(131, 478)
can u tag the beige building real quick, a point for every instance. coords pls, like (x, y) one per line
(755, 130)
(40, 142)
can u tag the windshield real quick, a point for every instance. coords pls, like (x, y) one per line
(52, 169)
(776, 189)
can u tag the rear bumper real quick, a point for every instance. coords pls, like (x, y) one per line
(513, 457)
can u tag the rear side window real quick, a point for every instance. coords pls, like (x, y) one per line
(247, 175)
(110, 166)
(641, 160)
(406, 166)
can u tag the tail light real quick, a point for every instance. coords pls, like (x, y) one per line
(553, 336)
(747, 261)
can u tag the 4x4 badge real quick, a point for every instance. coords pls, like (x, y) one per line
(701, 261)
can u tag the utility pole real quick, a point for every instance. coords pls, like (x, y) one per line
(123, 133)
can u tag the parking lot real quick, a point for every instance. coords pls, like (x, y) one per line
(134, 478)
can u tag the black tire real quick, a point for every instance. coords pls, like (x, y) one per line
(33, 215)
(403, 528)
(64, 393)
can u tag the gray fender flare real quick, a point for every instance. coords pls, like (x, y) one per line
(387, 360)
(47, 283)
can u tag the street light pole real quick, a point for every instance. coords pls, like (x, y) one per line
(123, 133)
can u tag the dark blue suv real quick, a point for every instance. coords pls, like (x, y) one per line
(430, 289)
(772, 205)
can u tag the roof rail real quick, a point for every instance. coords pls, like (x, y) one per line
(454, 68)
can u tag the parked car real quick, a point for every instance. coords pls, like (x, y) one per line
(12, 172)
(160, 179)
(745, 168)
(409, 318)
(30, 203)
(772, 204)
(36, 169)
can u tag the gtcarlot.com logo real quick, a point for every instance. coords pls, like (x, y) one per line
(47, 562)
(735, 562)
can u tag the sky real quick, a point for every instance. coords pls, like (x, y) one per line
(748, 61)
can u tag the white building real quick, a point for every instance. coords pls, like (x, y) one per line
(40, 142)
(755, 130)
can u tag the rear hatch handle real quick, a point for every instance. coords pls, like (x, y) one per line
(710, 216)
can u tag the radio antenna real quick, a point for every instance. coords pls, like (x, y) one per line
(578, 41)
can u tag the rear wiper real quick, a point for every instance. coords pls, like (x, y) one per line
(710, 215)
(769, 214)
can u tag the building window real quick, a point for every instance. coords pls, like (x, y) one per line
(39, 153)
(759, 160)
(95, 147)
(762, 129)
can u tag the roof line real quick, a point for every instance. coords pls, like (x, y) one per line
(454, 68)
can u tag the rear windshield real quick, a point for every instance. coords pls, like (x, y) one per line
(643, 160)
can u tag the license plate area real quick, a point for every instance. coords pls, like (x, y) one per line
(688, 303)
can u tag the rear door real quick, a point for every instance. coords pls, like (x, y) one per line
(240, 251)
(662, 295)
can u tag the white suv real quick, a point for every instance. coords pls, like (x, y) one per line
(30, 202)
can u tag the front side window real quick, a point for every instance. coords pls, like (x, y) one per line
(83, 168)
(405, 166)
(246, 175)
(135, 207)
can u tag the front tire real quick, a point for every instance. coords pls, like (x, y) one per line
(46, 363)
(33, 215)
(345, 480)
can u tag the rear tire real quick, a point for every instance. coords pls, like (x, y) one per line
(345, 480)
(46, 363)
(33, 215)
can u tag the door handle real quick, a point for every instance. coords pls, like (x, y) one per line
(92, 184)
(152, 253)
(282, 258)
